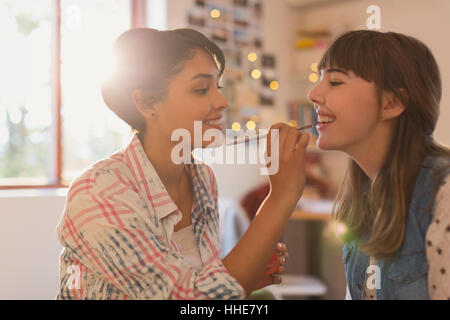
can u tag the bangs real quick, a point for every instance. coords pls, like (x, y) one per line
(366, 61)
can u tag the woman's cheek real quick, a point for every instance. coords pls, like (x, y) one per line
(327, 141)
(356, 131)
(337, 136)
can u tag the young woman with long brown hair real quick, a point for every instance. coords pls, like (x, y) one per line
(378, 101)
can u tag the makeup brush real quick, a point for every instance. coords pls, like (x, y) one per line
(261, 136)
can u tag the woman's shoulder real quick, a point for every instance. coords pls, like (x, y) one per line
(442, 202)
(437, 162)
(103, 173)
(434, 169)
(443, 196)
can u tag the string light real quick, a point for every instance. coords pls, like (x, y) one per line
(251, 125)
(274, 85)
(256, 74)
(293, 123)
(313, 77)
(214, 13)
(252, 57)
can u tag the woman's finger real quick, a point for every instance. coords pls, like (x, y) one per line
(271, 270)
(274, 134)
(302, 144)
(285, 255)
(281, 247)
(280, 270)
(292, 136)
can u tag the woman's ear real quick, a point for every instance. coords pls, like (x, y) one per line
(392, 105)
(145, 104)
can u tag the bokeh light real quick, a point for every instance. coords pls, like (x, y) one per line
(251, 125)
(256, 73)
(252, 57)
(236, 126)
(313, 77)
(215, 13)
(274, 85)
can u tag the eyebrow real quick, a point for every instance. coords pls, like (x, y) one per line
(202, 75)
(335, 70)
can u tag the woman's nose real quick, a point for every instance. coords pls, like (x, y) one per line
(220, 101)
(314, 96)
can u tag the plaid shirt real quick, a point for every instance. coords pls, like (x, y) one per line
(117, 229)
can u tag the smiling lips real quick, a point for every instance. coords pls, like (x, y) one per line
(214, 122)
(324, 120)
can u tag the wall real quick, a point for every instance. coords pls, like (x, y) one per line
(28, 244)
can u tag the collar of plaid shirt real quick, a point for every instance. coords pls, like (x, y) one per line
(156, 191)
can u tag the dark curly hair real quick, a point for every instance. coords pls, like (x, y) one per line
(146, 60)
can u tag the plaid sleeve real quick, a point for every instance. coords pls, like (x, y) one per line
(108, 229)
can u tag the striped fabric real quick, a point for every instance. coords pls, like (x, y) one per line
(117, 229)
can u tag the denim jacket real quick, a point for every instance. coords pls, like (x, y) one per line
(404, 275)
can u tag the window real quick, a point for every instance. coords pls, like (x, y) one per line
(25, 107)
(90, 130)
(54, 56)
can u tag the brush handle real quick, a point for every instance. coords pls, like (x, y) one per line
(260, 136)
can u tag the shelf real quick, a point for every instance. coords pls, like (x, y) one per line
(308, 209)
(303, 58)
(299, 286)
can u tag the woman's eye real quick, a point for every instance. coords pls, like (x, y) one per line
(202, 91)
(334, 83)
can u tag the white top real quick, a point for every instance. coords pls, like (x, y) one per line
(438, 245)
(185, 240)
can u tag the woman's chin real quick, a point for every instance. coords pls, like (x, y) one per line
(213, 142)
(323, 144)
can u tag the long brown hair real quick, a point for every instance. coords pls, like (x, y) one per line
(375, 212)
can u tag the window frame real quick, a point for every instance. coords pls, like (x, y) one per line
(138, 18)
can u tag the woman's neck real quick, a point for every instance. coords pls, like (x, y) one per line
(159, 151)
(371, 153)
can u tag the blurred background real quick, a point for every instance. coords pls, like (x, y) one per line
(53, 123)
